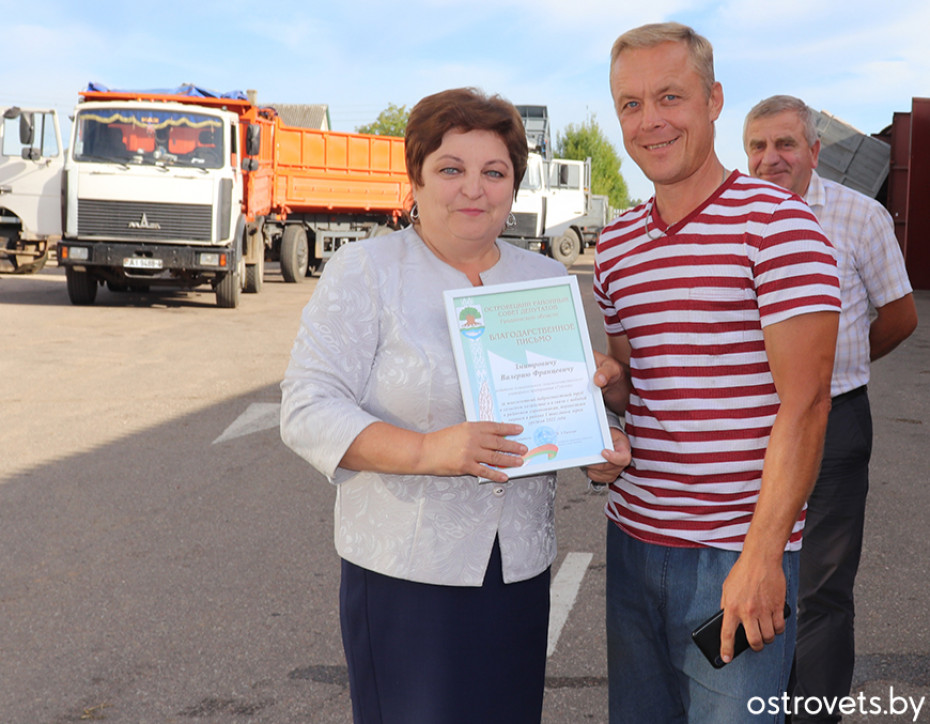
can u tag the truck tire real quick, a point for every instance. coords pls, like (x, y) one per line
(229, 287)
(295, 253)
(566, 248)
(253, 247)
(82, 287)
(255, 275)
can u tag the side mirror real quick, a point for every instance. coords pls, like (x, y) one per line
(30, 153)
(253, 139)
(26, 128)
(249, 164)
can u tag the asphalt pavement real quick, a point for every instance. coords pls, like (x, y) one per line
(166, 559)
(893, 586)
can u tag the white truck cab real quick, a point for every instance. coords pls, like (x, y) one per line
(153, 196)
(554, 209)
(551, 206)
(31, 162)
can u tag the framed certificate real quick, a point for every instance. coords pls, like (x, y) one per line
(523, 355)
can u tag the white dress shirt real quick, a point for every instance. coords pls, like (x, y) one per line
(870, 266)
(374, 345)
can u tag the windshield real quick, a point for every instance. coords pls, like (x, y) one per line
(532, 179)
(149, 137)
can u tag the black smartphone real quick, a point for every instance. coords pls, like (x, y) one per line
(707, 638)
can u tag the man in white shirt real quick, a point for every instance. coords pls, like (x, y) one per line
(781, 143)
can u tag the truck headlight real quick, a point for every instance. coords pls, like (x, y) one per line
(210, 259)
(78, 253)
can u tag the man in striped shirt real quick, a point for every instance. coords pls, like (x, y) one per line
(720, 298)
(780, 138)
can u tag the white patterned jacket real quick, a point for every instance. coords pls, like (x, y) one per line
(374, 345)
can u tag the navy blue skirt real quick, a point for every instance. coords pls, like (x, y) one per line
(424, 654)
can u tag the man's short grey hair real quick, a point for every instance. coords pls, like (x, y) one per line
(774, 105)
(700, 51)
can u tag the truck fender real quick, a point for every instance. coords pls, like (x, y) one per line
(241, 241)
(253, 244)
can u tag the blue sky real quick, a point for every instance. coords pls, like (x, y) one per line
(860, 61)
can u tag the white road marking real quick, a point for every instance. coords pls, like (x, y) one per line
(562, 594)
(257, 417)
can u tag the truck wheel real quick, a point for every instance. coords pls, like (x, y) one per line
(82, 287)
(566, 248)
(255, 275)
(295, 253)
(229, 288)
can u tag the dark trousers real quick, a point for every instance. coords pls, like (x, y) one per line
(425, 654)
(825, 652)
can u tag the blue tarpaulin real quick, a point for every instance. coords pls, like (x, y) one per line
(184, 90)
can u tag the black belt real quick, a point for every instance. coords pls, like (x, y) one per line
(847, 396)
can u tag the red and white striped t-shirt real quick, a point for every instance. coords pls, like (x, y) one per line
(692, 300)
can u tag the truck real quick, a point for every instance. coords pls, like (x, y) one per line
(323, 198)
(598, 216)
(330, 188)
(187, 187)
(31, 162)
(556, 213)
(163, 188)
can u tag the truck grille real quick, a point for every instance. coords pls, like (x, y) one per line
(134, 220)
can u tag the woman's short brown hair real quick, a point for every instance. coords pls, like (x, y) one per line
(463, 109)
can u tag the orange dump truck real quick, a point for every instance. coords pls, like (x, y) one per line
(330, 188)
(186, 187)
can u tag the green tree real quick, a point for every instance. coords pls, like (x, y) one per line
(579, 142)
(392, 121)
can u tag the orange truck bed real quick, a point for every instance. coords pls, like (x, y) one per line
(333, 172)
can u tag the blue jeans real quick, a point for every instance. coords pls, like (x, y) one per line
(656, 596)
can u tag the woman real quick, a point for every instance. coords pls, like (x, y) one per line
(444, 600)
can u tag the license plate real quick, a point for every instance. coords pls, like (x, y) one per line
(141, 262)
